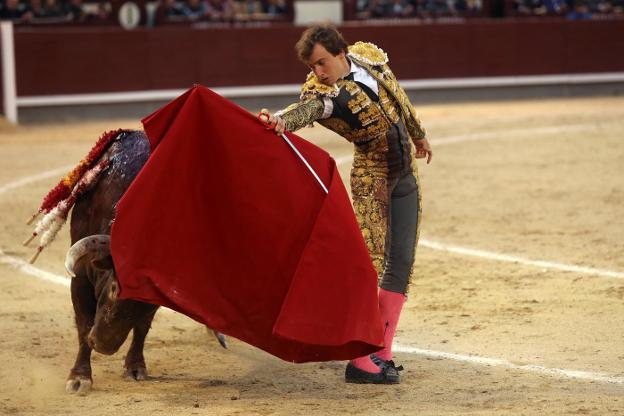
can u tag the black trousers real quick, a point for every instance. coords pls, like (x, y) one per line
(402, 233)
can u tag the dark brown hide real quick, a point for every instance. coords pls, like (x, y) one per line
(103, 322)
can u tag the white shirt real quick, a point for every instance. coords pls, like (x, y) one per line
(359, 74)
(362, 75)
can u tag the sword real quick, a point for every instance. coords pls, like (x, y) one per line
(303, 159)
(261, 117)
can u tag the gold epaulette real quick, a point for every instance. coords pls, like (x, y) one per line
(368, 53)
(314, 87)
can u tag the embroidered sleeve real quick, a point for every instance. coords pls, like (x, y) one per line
(414, 127)
(301, 114)
(388, 79)
(412, 122)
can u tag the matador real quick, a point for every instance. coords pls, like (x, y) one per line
(352, 91)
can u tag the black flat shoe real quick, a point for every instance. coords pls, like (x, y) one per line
(385, 363)
(388, 375)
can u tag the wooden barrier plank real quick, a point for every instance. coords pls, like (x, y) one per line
(89, 60)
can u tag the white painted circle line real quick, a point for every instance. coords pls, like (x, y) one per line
(497, 362)
(506, 257)
(500, 135)
(520, 260)
(347, 158)
(506, 134)
(29, 269)
(34, 178)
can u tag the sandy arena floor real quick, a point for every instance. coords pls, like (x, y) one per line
(481, 334)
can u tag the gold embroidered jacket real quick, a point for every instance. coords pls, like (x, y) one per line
(346, 109)
(379, 154)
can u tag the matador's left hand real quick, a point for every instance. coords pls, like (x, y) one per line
(423, 149)
(275, 123)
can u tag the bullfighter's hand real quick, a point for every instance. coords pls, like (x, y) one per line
(423, 149)
(275, 123)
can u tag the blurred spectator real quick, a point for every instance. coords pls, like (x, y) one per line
(555, 7)
(274, 8)
(427, 9)
(101, 15)
(36, 8)
(473, 7)
(250, 10)
(571, 9)
(52, 8)
(458, 8)
(580, 11)
(14, 10)
(172, 9)
(195, 9)
(464, 7)
(247, 9)
(219, 9)
(74, 11)
(400, 8)
(527, 7)
(433, 8)
(600, 7)
(373, 9)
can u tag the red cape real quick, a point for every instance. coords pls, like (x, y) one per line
(226, 225)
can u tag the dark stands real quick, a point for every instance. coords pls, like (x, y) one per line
(571, 9)
(55, 12)
(420, 9)
(428, 11)
(260, 13)
(222, 11)
(160, 12)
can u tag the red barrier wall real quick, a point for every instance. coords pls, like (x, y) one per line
(81, 60)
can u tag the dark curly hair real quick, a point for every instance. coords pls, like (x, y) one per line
(327, 35)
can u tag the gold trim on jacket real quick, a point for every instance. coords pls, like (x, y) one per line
(375, 61)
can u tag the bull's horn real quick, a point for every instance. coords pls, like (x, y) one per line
(99, 243)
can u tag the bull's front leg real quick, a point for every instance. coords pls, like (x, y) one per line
(80, 379)
(134, 366)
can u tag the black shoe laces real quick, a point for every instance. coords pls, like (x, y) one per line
(385, 363)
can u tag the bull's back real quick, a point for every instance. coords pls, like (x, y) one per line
(94, 211)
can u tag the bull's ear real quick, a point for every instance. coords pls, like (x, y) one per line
(103, 264)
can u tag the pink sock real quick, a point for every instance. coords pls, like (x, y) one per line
(390, 305)
(365, 364)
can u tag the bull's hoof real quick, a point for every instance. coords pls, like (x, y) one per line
(137, 374)
(78, 384)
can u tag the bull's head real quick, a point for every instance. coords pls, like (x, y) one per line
(114, 318)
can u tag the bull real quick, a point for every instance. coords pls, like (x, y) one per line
(103, 321)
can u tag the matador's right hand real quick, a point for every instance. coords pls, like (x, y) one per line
(423, 149)
(275, 123)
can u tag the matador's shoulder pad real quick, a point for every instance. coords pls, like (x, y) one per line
(368, 53)
(313, 87)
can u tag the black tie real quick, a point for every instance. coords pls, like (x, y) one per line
(371, 94)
